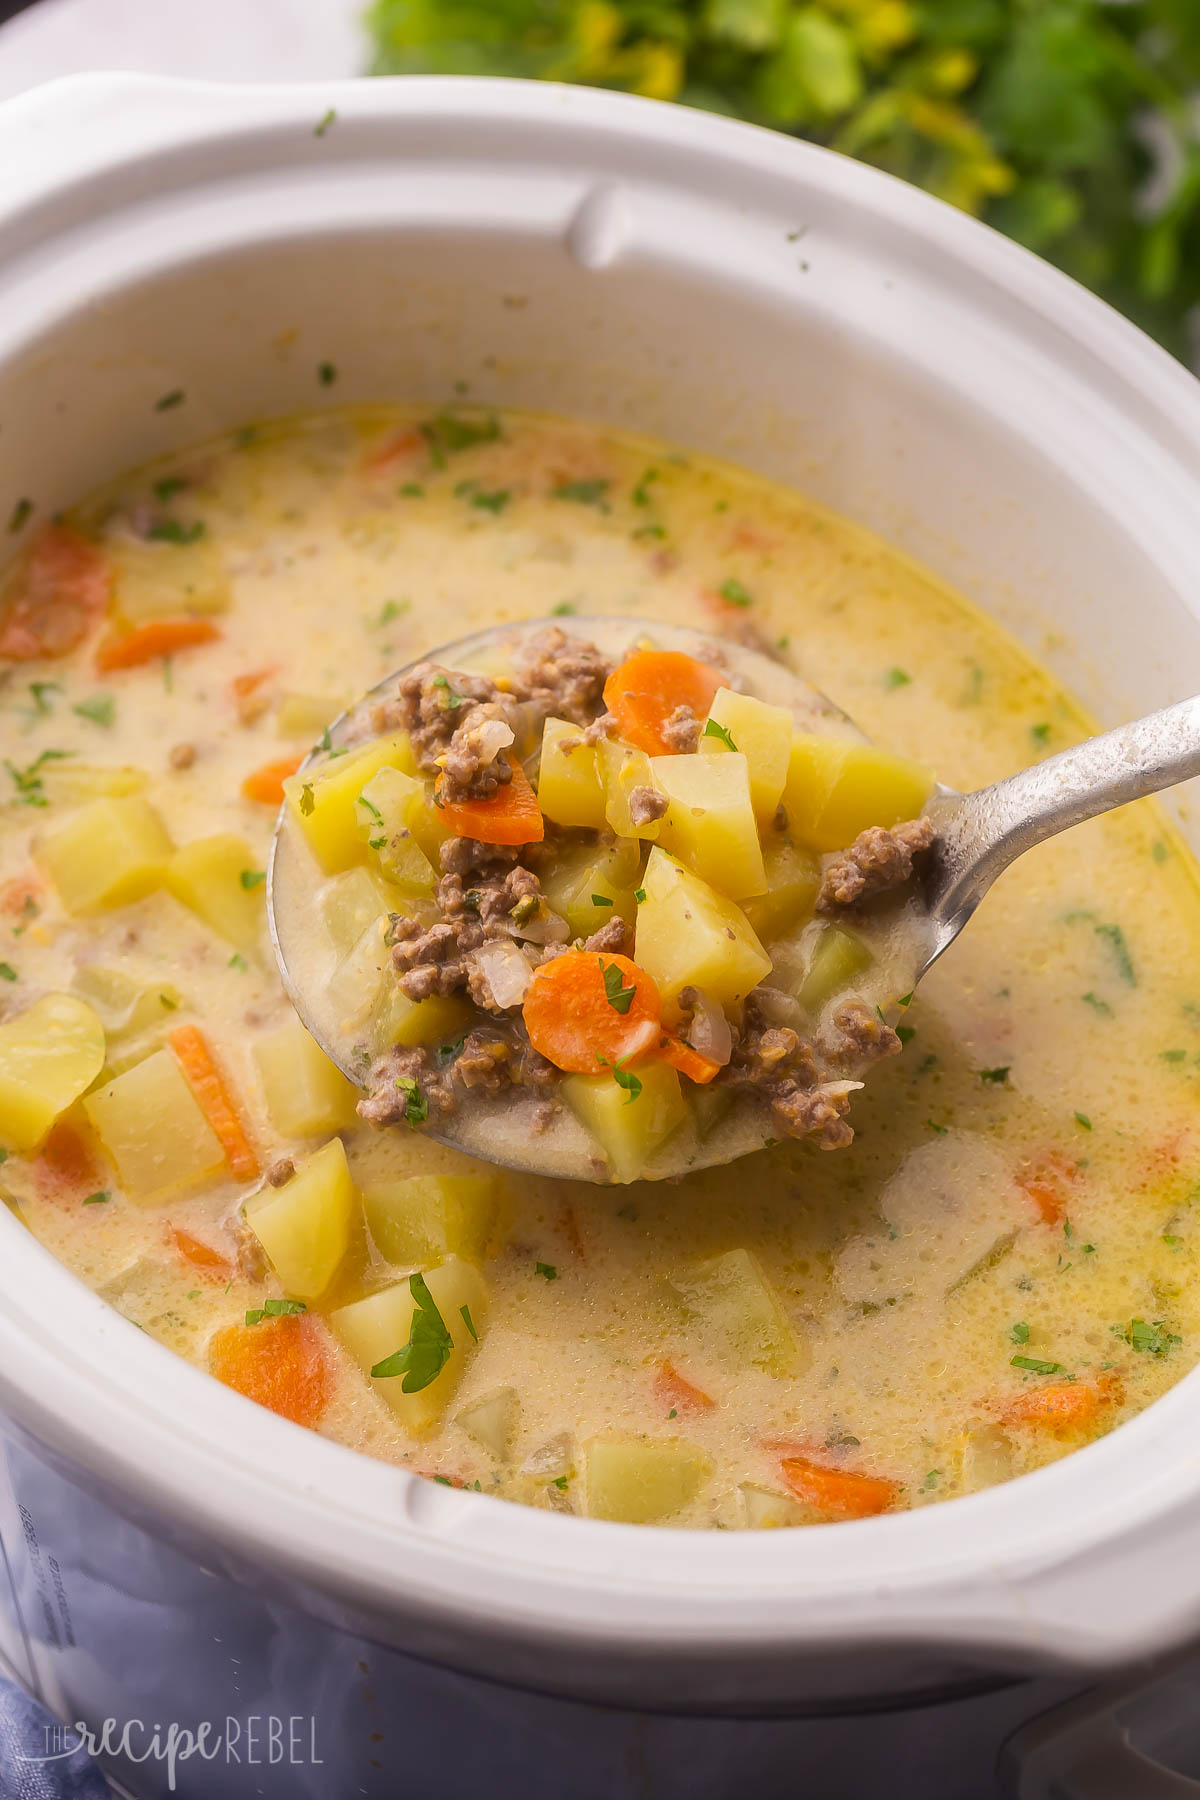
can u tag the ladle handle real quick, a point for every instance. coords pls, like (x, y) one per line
(979, 834)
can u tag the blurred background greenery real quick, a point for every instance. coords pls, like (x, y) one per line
(1072, 125)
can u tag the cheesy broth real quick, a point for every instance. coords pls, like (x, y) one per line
(997, 1270)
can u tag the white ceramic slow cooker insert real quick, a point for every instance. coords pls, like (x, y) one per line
(600, 256)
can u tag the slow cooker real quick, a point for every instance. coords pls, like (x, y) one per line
(174, 1555)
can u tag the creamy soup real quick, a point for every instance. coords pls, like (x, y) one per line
(995, 1271)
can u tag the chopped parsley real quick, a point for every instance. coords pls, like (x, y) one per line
(448, 1052)
(327, 373)
(39, 690)
(1173, 1056)
(307, 803)
(166, 401)
(467, 1320)
(619, 997)
(736, 595)
(1040, 734)
(389, 611)
(1020, 1332)
(1159, 851)
(167, 487)
(101, 709)
(28, 781)
(602, 900)
(250, 878)
(1115, 938)
(20, 515)
(906, 1033)
(236, 961)
(7, 972)
(563, 610)
(411, 490)
(416, 1106)
(448, 700)
(1172, 1242)
(1036, 1367)
(998, 1076)
(897, 678)
(100, 1198)
(639, 895)
(940, 1129)
(1082, 1120)
(174, 531)
(721, 732)
(324, 122)
(641, 492)
(427, 1351)
(649, 531)
(591, 492)
(494, 501)
(274, 1309)
(624, 1078)
(561, 1482)
(446, 434)
(931, 1480)
(547, 1271)
(1154, 1340)
(1097, 1005)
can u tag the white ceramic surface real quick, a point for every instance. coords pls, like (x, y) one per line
(603, 256)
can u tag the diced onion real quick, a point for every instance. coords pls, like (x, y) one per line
(491, 738)
(505, 970)
(545, 927)
(777, 1007)
(709, 1032)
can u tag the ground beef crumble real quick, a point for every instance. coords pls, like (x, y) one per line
(488, 1062)
(800, 1081)
(877, 861)
(646, 804)
(681, 733)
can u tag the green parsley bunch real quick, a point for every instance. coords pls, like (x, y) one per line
(1072, 125)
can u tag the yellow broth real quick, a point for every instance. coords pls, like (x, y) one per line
(1047, 1086)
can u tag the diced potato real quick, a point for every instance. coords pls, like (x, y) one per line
(621, 770)
(710, 823)
(108, 854)
(984, 1456)
(763, 735)
(307, 715)
(156, 580)
(735, 1308)
(375, 1328)
(839, 956)
(349, 903)
(324, 802)
(709, 1103)
(688, 933)
(398, 1020)
(127, 1007)
(569, 787)
(215, 877)
(425, 1218)
(763, 1510)
(306, 1094)
(151, 1126)
(793, 878)
(835, 788)
(305, 1225)
(49, 1055)
(74, 783)
(386, 809)
(493, 1421)
(638, 1483)
(608, 873)
(629, 1132)
(356, 988)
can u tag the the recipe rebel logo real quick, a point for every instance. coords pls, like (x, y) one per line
(258, 1740)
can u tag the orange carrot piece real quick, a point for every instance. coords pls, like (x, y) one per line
(208, 1086)
(677, 1394)
(266, 784)
(1047, 1183)
(202, 1256)
(21, 894)
(649, 686)
(510, 816)
(572, 1020)
(241, 685)
(282, 1363)
(1064, 1405)
(163, 637)
(67, 1162)
(838, 1493)
(56, 593)
(394, 450)
(571, 1231)
(689, 1062)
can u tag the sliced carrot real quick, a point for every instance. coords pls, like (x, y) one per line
(649, 686)
(510, 816)
(202, 1256)
(677, 1394)
(387, 457)
(1047, 1183)
(56, 593)
(208, 1086)
(282, 1363)
(163, 637)
(571, 1231)
(67, 1162)
(573, 1021)
(1064, 1405)
(241, 685)
(689, 1062)
(266, 784)
(21, 894)
(838, 1493)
